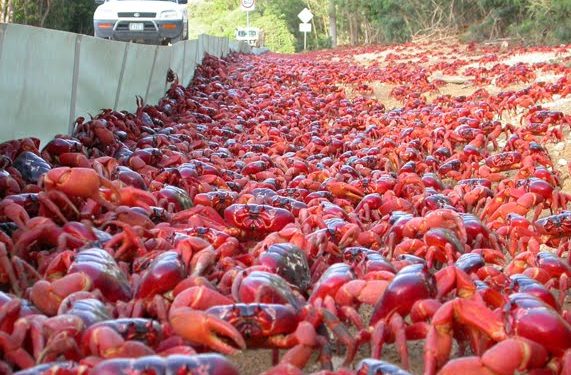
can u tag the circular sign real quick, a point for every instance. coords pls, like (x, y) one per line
(248, 3)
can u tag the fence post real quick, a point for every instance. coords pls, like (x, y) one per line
(123, 66)
(74, 82)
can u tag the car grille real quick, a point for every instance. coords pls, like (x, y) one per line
(124, 26)
(140, 14)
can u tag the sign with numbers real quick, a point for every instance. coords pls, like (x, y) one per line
(248, 5)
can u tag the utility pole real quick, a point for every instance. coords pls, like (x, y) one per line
(333, 23)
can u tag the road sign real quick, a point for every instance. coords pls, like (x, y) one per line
(305, 27)
(305, 15)
(248, 5)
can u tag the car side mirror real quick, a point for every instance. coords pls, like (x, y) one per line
(182, 1)
(99, 2)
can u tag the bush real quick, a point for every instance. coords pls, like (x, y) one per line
(226, 24)
(277, 35)
(220, 19)
(388, 17)
(562, 32)
(394, 29)
(533, 21)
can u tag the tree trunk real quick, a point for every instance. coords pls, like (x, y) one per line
(351, 26)
(10, 12)
(25, 13)
(7, 11)
(354, 29)
(4, 10)
(46, 13)
(333, 23)
(314, 29)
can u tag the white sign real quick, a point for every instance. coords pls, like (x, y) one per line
(248, 5)
(305, 15)
(305, 27)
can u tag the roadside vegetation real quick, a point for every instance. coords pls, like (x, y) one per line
(67, 15)
(340, 22)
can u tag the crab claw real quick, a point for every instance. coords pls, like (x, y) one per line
(16, 213)
(199, 298)
(47, 296)
(343, 190)
(133, 197)
(201, 328)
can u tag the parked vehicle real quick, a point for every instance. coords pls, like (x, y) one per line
(144, 21)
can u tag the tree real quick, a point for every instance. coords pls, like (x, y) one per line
(68, 15)
(340, 21)
(72, 15)
(6, 10)
(332, 12)
(219, 18)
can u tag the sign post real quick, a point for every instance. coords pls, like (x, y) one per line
(305, 27)
(247, 6)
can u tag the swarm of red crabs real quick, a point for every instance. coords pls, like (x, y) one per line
(263, 207)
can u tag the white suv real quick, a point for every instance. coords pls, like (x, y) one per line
(145, 21)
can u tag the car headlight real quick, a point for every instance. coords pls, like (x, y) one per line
(169, 15)
(105, 14)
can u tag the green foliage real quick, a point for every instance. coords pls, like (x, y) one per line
(227, 23)
(278, 38)
(390, 17)
(562, 32)
(357, 21)
(394, 29)
(72, 15)
(27, 12)
(323, 41)
(530, 21)
(287, 10)
(68, 15)
(222, 17)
